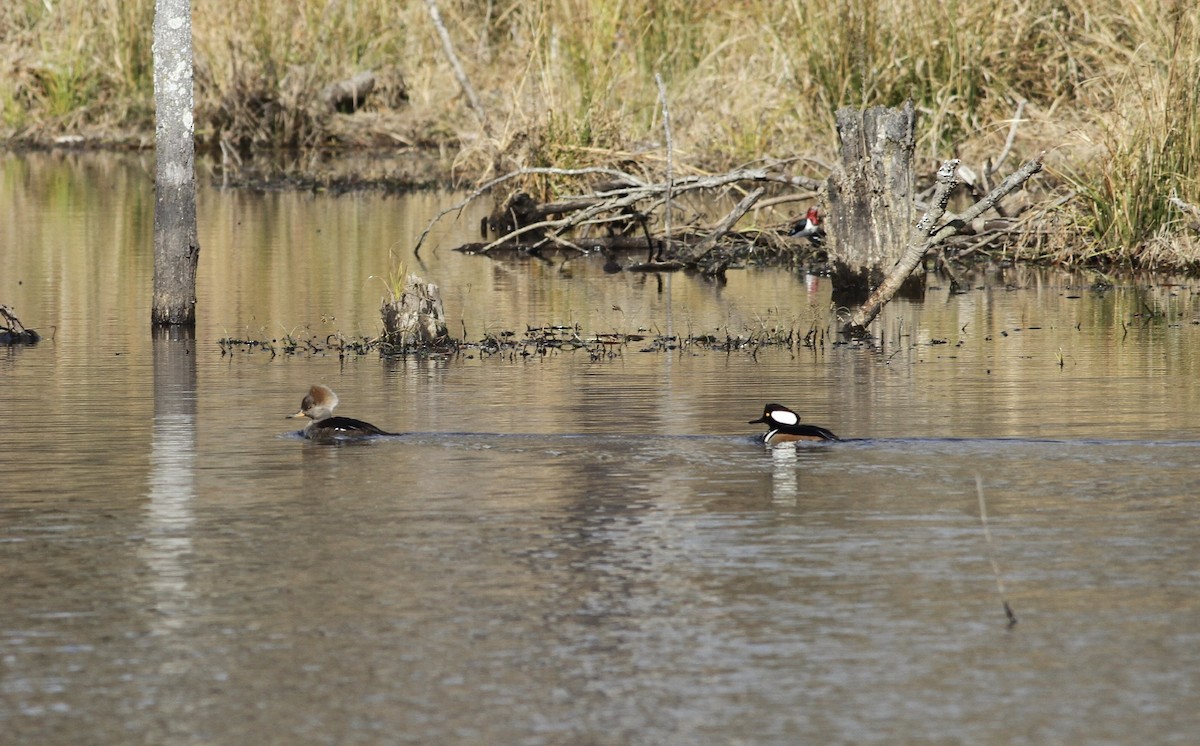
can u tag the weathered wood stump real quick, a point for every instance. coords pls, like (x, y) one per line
(870, 196)
(416, 318)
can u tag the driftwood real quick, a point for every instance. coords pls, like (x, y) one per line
(348, 96)
(703, 254)
(618, 214)
(522, 210)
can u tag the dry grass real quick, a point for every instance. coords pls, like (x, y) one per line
(1110, 87)
(1145, 142)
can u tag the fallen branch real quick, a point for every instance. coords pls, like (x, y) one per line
(918, 244)
(924, 237)
(601, 208)
(493, 183)
(705, 247)
(1014, 180)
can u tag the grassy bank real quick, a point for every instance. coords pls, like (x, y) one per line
(1110, 87)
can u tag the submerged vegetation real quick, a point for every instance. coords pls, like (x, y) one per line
(541, 341)
(1108, 87)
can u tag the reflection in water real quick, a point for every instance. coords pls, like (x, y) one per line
(565, 550)
(169, 514)
(783, 473)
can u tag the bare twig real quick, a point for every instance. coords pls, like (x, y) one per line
(1014, 180)
(987, 535)
(785, 199)
(1008, 143)
(666, 112)
(463, 80)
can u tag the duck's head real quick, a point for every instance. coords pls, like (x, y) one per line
(777, 415)
(318, 403)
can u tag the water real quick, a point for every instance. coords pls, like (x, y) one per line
(562, 550)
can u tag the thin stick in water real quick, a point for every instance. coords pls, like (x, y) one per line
(666, 115)
(987, 535)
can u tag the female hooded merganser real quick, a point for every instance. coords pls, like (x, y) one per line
(810, 227)
(318, 406)
(785, 426)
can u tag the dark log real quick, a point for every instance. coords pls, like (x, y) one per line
(870, 195)
(521, 211)
(13, 332)
(348, 96)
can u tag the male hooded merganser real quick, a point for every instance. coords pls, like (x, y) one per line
(785, 426)
(810, 227)
(318, 406)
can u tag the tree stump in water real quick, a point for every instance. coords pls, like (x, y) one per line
(870, 198)
(416, 318)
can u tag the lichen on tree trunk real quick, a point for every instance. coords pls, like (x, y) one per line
(176, 247)
(870, 195)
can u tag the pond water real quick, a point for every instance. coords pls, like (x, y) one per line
(569, 550)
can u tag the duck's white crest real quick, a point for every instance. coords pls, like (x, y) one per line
(784, 417)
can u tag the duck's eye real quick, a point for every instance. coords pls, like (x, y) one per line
(784, 417)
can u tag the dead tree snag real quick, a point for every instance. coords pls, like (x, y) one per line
(870, 195)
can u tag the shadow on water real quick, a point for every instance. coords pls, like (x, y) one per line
(568, 549)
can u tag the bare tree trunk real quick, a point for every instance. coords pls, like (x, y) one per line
(870, 196)
(176, 248)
